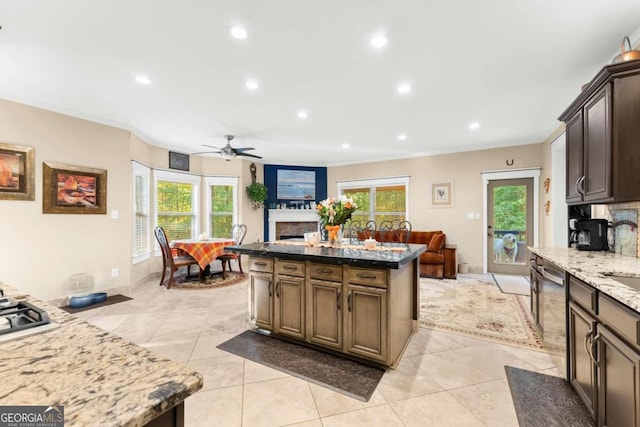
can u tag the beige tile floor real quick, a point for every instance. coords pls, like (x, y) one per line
(442, 380)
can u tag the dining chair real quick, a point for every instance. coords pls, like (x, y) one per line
(238, 231)
(169, 261)
(361, 230)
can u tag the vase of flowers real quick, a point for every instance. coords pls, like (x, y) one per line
(334, 212)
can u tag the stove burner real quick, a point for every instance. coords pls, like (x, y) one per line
(20, 318)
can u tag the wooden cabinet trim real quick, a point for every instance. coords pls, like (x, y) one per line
(620, 318)
(583, 293)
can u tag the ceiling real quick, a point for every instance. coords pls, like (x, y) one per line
(510, 65)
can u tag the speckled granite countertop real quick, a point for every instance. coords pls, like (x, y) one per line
(99, 378)
(594, 267)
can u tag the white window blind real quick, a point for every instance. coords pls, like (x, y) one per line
(141, 208)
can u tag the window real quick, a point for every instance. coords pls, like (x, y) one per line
(141, 234)
(378, 199)
(222, 202)
(177, 204)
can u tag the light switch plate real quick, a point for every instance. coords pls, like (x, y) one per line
(114, 214)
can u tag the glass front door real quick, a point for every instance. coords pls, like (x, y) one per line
(509, 225)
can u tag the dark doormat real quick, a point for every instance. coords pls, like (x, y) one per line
(345, 376)
(113, 299)
(545, 401)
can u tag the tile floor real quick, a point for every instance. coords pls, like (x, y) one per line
(442, 380)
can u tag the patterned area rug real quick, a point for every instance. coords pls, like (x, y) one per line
(473, 305)
(214, 281)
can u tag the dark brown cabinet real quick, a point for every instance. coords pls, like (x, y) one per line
(604, 355)
(601, 133)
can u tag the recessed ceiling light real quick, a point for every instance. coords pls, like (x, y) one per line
(402, 137)
(474, 125)
(252, 84)
(302, 114)
(404, 88)
(238, 33)
(345, 146)
(378, 41)
(143, 80)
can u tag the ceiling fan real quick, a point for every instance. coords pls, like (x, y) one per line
(228, 152)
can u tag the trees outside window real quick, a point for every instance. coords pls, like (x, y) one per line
(222, 202)
(380, 199)
(177, 204)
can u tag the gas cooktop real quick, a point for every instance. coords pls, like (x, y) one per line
(19, 319)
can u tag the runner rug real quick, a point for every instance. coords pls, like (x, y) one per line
(545, 400)
(473, 305)
(112, 299)
(342, 375)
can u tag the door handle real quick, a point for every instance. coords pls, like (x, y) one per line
(586, 345)
(349, 301)
(580, 185)
(592, 348)
(278, 289)
(270, 287)
(338, 298)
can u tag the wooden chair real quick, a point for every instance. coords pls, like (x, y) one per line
(238, 231)
(169, 261)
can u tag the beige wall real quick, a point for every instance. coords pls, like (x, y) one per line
(43, 250)
(465, 169)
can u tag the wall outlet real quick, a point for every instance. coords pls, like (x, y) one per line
(114, 272)
(477, 216)
(469, 215)
(114, 214)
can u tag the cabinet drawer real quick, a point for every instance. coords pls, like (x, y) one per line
(619, 318)
(582, 293)
(368, 277)
(261, 264)
(331, 273)
(290, 268)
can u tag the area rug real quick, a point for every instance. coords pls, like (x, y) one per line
(544, 400)
(513, 284)
(342, 375)
(112, 299)
(473, 305)
(213, 281)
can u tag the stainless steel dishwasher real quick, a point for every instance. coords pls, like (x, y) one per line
(553, 312)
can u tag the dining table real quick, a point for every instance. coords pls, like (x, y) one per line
(204, 251)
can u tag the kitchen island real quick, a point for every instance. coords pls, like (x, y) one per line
(99, 378)
(350, 301)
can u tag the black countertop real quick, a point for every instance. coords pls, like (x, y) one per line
(354, 255)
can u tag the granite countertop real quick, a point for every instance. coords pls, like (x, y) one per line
(387, 256)
(99, 378)
(595, 268)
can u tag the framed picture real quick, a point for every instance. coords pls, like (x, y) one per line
(178, 161)
(296, 184)
(73, 189)
(442, 194)
(17, 172)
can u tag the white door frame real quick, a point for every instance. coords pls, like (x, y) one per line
(510, 174)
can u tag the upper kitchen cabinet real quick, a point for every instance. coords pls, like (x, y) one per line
(603, 132)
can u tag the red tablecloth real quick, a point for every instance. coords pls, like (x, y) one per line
(204, 251)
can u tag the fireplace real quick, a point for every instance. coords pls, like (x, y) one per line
(291, 223)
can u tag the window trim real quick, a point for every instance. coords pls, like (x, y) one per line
(138, 169)
(220, 180)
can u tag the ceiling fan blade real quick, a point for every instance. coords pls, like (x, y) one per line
(239, 150)
(211, 146)
(249, 155)
(206, 152)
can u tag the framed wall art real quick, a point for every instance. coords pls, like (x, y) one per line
(442, 194)
(178, 161)
(17, 172)
(73, 189)
(296, 184)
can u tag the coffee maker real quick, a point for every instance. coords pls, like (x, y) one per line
(589, 234)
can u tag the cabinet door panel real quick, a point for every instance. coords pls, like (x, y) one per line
(582, 373)
(574, 158)
(618, 382)
(261, 300)
(597, 146)
(289, 306)
(326, 313)
(367, 322)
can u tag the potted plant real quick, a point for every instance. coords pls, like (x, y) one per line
(258, 194)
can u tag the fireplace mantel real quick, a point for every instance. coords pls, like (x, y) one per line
(290, 215)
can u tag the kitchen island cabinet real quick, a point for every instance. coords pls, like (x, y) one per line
(358, 303)
(99, 378)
